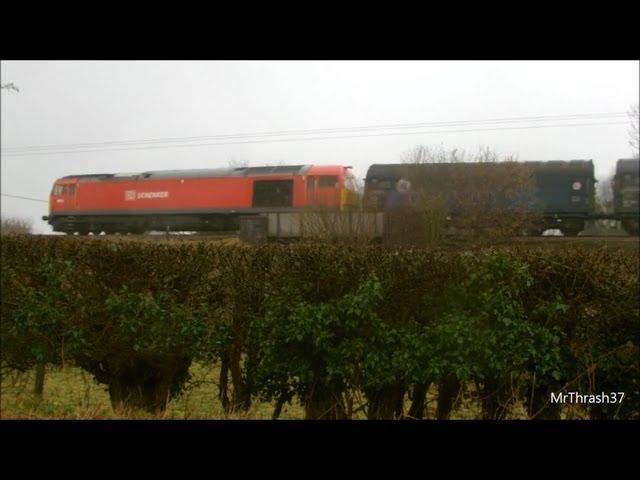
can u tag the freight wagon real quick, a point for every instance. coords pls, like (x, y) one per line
(626, 190)
(564, 190)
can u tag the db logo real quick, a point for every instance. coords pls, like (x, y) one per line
(130, 195)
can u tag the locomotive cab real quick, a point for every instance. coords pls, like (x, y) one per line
(62, 198)
(326, 188)
(63, 195)
(323, 190)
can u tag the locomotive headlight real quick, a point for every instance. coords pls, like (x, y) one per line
(577, 185)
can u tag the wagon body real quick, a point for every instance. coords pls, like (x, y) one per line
(626, 190)
(563, 191)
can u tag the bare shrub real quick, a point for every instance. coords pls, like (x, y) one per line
(352, 226)
(15, 225)
(634, 132)
(604, 195)
(483, 196)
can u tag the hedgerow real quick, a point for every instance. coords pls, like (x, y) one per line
(335, 328)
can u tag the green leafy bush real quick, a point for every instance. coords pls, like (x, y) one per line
(328, 325)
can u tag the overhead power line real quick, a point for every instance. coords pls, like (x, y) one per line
(327, 131)
(24, 198)
(277, 140)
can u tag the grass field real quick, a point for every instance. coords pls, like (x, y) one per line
(71, 394)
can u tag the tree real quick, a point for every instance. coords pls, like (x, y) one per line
(235, 162)
(604, 194)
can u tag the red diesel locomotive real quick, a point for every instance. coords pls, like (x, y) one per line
(193, 200)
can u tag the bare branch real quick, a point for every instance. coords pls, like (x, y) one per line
(9, 86)
(13, 225)
(633, 129)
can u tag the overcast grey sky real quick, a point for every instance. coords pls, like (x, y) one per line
(68, 102)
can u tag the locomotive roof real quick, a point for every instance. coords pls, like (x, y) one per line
(199, 173)
(227, 172)
(628, 165)
(582, 167)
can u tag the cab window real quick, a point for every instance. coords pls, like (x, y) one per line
(64, 190)
(328, 181)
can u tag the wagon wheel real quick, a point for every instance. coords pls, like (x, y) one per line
(571, 230)
(533, 232)
(631, 226)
